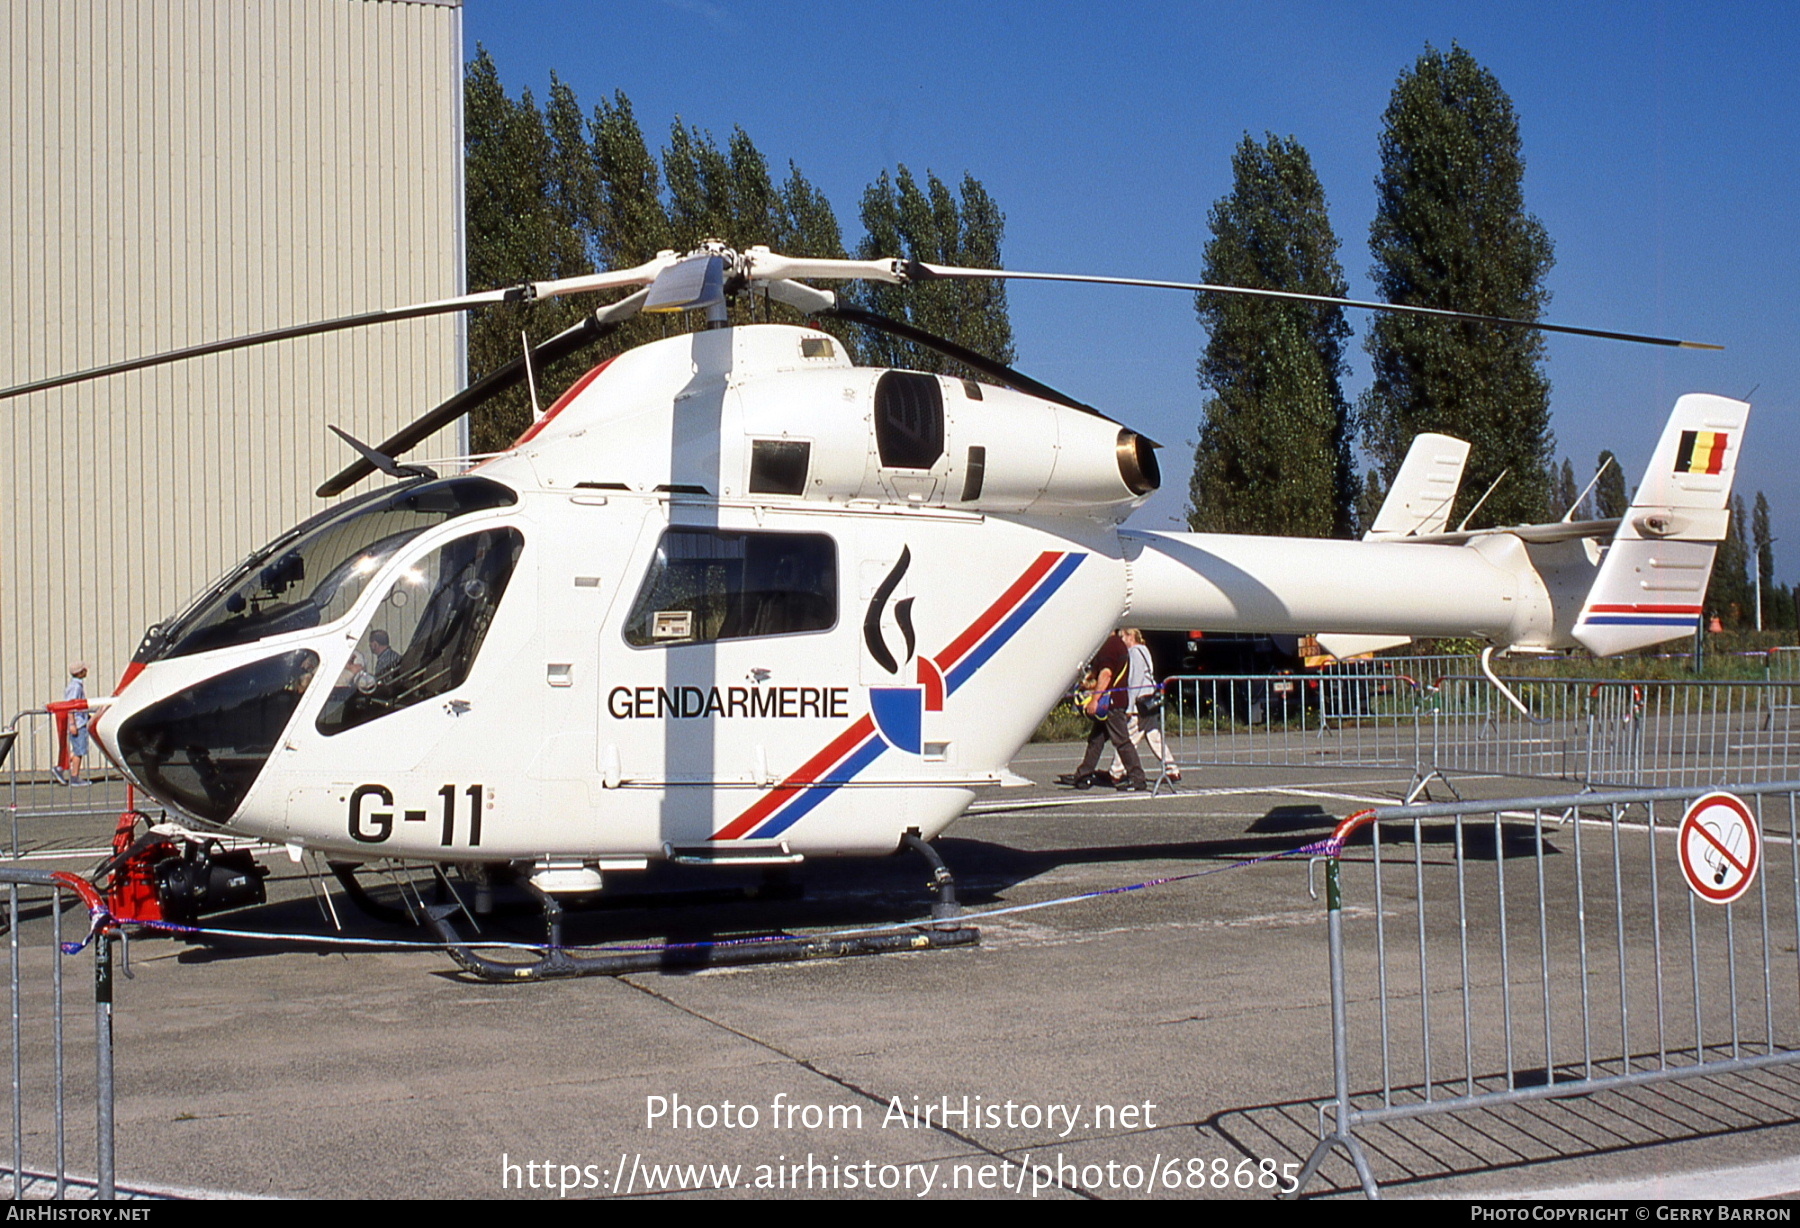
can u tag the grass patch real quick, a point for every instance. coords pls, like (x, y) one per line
(1063, 724)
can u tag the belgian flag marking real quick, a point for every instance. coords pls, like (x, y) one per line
(1701, 452)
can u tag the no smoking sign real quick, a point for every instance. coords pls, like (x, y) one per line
(1721, 847)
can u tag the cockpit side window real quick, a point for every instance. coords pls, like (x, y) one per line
(424, 637)
(717, 584)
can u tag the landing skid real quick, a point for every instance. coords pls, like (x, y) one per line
(557, 961)
(773, 887)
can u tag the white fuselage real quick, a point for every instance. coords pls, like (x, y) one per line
(756, 598)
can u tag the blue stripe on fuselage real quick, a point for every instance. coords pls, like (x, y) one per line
(965, 668)
(817, 792)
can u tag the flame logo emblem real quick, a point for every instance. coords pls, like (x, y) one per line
(872, 635)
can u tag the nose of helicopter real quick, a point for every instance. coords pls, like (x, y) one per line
(201, 746)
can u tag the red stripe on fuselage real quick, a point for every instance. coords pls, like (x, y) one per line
(1644, 609)
(573, 392)
(932, 679)
(810, 771)
(1010, 598)
(131, 671)
(847, 741)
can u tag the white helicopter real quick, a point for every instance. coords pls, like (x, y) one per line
(733, 600)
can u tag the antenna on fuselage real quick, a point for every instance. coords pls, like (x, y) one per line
(537, 411)
(1484, 498)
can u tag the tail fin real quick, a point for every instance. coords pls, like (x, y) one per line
(1652, 582)
(1423, 490)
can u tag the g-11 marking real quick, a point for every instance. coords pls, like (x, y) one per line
(375, 826)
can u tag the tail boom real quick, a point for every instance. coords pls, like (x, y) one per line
(1537, 587)
(1222, 582)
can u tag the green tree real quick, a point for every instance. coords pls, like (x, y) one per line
(1763, 541)
(1784, 614)
(630, 223)
(1275, 436)
(551, 194)
(528, 198)
(1451, 231)
(1728, 595)
(572, 178)
(1369, 500)
(1566, 492)
(729, 195)
(699, 177)
(1610, 499)
(902, 219)
(807, 224)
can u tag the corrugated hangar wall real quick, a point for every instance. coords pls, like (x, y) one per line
(177, 171)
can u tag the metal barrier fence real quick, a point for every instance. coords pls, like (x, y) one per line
(1618, 733)
(36, 985)
(1525, 949)
(1594, 731)
(1784, 664)
(1290, 720)
(32, 791)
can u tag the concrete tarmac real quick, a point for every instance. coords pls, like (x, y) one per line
(1165, 1042)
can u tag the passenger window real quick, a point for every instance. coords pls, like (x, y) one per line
(715, 584)
(427, 630)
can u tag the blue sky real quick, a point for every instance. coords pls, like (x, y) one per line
(1660, 143)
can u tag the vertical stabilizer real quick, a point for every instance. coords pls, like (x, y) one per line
(1652, 582)
(1423, 490)
(1418, 502)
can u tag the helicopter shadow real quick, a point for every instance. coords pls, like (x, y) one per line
(688, 909)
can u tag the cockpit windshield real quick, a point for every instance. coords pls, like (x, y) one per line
(312, 574)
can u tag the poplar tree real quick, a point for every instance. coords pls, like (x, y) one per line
(902, 219)
(701, 181)
(1369, 500)
(551, 193)
(1763, 542)
(1610, 498)
(730, 195)
(1566, 493)
(1451, 231)
(1728, 595)
(630, 223)
(1275, 436)
(528, 196)
(807, 224)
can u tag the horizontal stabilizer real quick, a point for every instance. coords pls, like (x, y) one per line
(1543, 534)
(1343, 647)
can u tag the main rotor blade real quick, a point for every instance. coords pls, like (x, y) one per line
(491, 385)
(642, 275)
(762, 263)
(917, 270)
